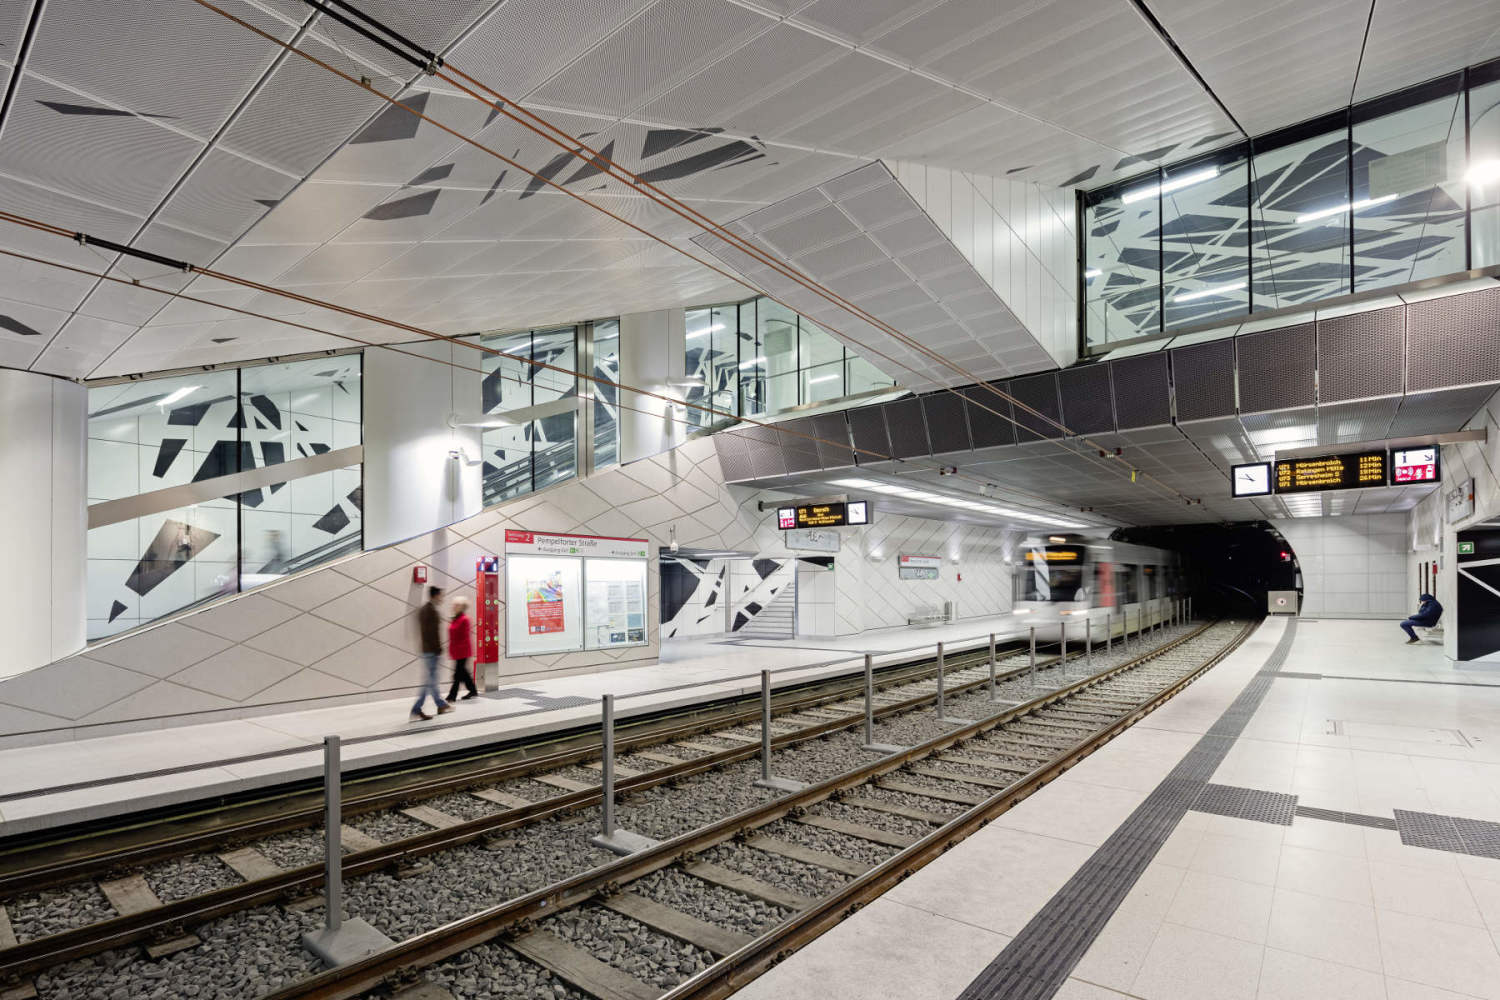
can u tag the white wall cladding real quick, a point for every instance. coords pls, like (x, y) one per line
(1019, 236)
(1352, 566)
(345, 633)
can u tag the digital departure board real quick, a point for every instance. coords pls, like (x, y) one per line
(1331, 472)
(834, 514)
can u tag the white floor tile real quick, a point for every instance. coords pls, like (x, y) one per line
(1187, 963)
(1322, 873)
(1285, 975)
(1424, 892)
(1330, 929)
(1223, 906)
(1447, 955)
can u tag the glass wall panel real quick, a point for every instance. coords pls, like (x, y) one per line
(1122, 265)
(863, 376)
(554, 437)
(1483, 175)
(506, 386)
(1409, 194)
(823, 382)
(1299, 216)
(702, 359)
(148, 435)
(607, 367)
(1206, 239)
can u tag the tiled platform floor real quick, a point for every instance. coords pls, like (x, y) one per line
(1323, 908)
(54, 783)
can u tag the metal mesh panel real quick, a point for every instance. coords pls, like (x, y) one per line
(903, 419)
(1040, 393)
(763, 446)
(1142, 395)
(867, 425)
(1359, 356)
(989, 417)
(1277, 368)
(1086, 405)
(798, 449)
(833, 444)
(947, 427)
(734, 457)
(1436, 412)
(1453, 340)
(1203, 376)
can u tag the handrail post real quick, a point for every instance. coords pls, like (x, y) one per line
(992, 666)
(766, 781)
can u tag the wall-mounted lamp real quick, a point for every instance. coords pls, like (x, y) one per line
(673, 544)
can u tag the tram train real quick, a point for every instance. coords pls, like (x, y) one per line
(1064, 575)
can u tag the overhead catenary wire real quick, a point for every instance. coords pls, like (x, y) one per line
(576, 148)
(618, 386)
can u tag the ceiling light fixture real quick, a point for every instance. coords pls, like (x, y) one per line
(179, 395)
(753, 361)
(821, 379)
(1324, 213)
(688, 382)
(1175, 184)
(1203, 293)
(706, 331)
(1092, 272)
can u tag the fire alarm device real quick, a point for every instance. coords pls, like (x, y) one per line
(419, 574)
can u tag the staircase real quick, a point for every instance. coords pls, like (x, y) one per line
(777, 620)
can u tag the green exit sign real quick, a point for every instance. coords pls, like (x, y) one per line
(1466, 548)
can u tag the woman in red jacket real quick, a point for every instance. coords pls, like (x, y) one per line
(461, 648)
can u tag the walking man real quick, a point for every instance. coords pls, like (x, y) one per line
(430, 624)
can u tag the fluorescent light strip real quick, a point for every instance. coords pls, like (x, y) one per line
(1482, 173)
(1324, 213)
(1203, 293)
(705, 332)
(1092, 272)
(1176, 184)
(179, 395)
(753, 361)
(821, 378)
(923, 495)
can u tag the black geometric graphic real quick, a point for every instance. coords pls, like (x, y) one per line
(404, 208)
(734, 153)
(298, 425)
(188, 416)
(16, 326)
(394, 123)
(594, 164)
(493, 187)
(357, 498)
(430, 174)
(267, 409)
(269, 202)
(166, 453)
(332, 522)
(93, 109)
(272, 453)
(765, 567)
(1079, 178)
(659, 140)
(226, 458)
(116, 610)
(176, 542)
(222, 340)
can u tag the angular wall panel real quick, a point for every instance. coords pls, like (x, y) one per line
(1086, 404)
(990, 417)
(947, 425)
(833, 440)
(1277, 368)
(903, 418)
(1203, 376)
(1453, 340)
(798, 448)
(1039, 392)
(867, 427)
(1359, 355)
(1143, 395)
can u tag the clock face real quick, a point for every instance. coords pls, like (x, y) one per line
(1250, 480)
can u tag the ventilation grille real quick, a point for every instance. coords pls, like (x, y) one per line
(1359, 356)
(764, 448)
(1436, 412)
(989, 416)
(1086, 402)
(946, 427)
(1040, 393)
(1277, 368)
(1203, 375)
(1142, 394)
(734, 457)
(1453, 340)
(867, 425)
(903, 419)
(799, 450)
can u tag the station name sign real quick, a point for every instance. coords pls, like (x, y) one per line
(835, 514)
(1324, 473)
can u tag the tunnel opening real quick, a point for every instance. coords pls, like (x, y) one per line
(1228, 568)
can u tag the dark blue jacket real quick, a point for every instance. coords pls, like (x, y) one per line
(1429, 612)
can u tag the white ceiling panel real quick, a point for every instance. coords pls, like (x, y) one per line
(1412, 42)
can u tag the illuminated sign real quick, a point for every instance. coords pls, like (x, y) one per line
(1331, 472)
(1053, 555)
(1414, 465)
(918, 567)
(1253, 480)
(823, 515)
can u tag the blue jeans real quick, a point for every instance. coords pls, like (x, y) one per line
(1409, 623)
(429, 683)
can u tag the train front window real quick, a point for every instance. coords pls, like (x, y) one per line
(1051, 574)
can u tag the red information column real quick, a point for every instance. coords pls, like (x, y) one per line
(487, 612)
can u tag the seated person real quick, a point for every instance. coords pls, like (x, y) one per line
(1427, 616)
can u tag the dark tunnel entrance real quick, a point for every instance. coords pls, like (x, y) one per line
(1229, 568)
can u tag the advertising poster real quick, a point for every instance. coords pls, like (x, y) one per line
(616, 612)
(544, 604)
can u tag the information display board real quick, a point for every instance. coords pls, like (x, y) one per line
(1414, 465)
(566, 593)
(1331, 472)
(834, 514)
(918, 567)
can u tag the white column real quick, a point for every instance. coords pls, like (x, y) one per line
(44, 530)
(649, 343)
(412, 483)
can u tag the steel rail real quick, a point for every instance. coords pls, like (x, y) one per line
(740, 710)
(399, 961)
(170, 919)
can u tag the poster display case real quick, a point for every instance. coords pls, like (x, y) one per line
(568, 593)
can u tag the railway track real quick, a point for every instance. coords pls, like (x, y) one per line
(134, 914)
(862, 829)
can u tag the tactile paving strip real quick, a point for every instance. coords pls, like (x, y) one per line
(1449, 833)
(1247, 803)
(1339, 816)
(1038, 960)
